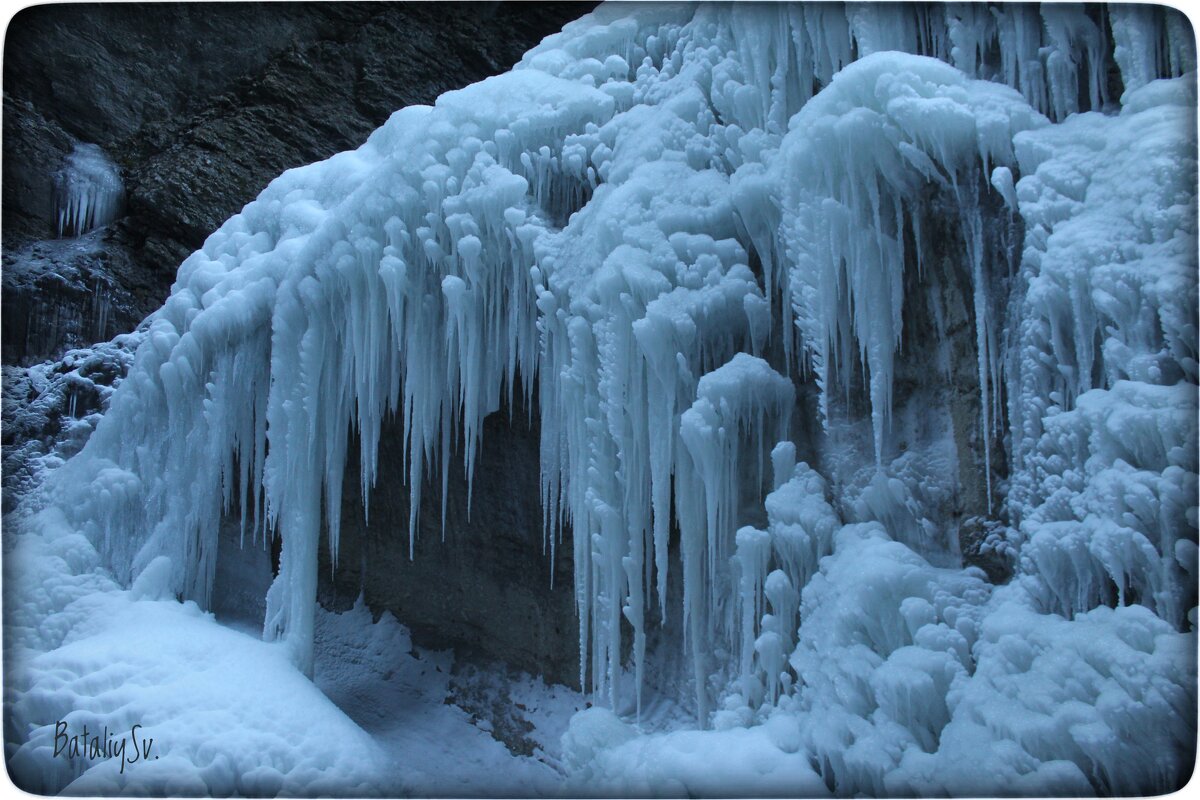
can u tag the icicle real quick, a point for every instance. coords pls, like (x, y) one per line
(778, 633)
(753, 555)
(88, 192)
(844, 226)
(734, 404)
(1142, 51)
(986, 356)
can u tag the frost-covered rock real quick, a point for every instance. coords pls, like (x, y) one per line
(50, 410)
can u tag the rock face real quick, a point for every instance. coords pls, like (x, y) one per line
(201, 106)
(936, 443)
(486, 588)
(937, 375)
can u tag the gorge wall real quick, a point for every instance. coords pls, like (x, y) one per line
(200, 106)
(863, 342)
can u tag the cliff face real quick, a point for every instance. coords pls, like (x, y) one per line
(201, 106)
(688, 223)
(483, 584)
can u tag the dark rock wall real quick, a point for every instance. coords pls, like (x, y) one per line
(943, 288)
(485, 590)
(936, 385)
(201, 105)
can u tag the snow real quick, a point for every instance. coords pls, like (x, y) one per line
(400, 695)
(227, 713)
(683, 228)
(609, 758)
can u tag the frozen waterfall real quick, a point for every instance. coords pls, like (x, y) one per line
(668, 224)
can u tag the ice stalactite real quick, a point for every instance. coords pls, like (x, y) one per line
(739, 407)
(88, 192)
(664, 306)
(343, 293)
(801, 521)
(800, 529)
(1150, 42)
(777, 639)
(857, 155)
(753, 555)
(1044, 51)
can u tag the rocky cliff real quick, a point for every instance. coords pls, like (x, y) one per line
(200, 106)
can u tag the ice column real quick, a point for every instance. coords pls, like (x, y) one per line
(739, 407)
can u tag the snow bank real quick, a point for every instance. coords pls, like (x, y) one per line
(227, 713)
(609, 758)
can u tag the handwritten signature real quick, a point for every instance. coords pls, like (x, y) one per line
(92, 745)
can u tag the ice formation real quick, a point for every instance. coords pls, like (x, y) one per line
(88, 192)
(663, 223)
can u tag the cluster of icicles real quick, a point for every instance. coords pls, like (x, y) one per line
(583, 228)
(88, 192)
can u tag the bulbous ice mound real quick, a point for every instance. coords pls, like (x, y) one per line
(662, 221)
(88, 192)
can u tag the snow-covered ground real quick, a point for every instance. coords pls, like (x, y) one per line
(226, 712)
(400, 695)
(668, 218)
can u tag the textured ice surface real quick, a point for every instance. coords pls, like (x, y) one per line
(663, 221)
